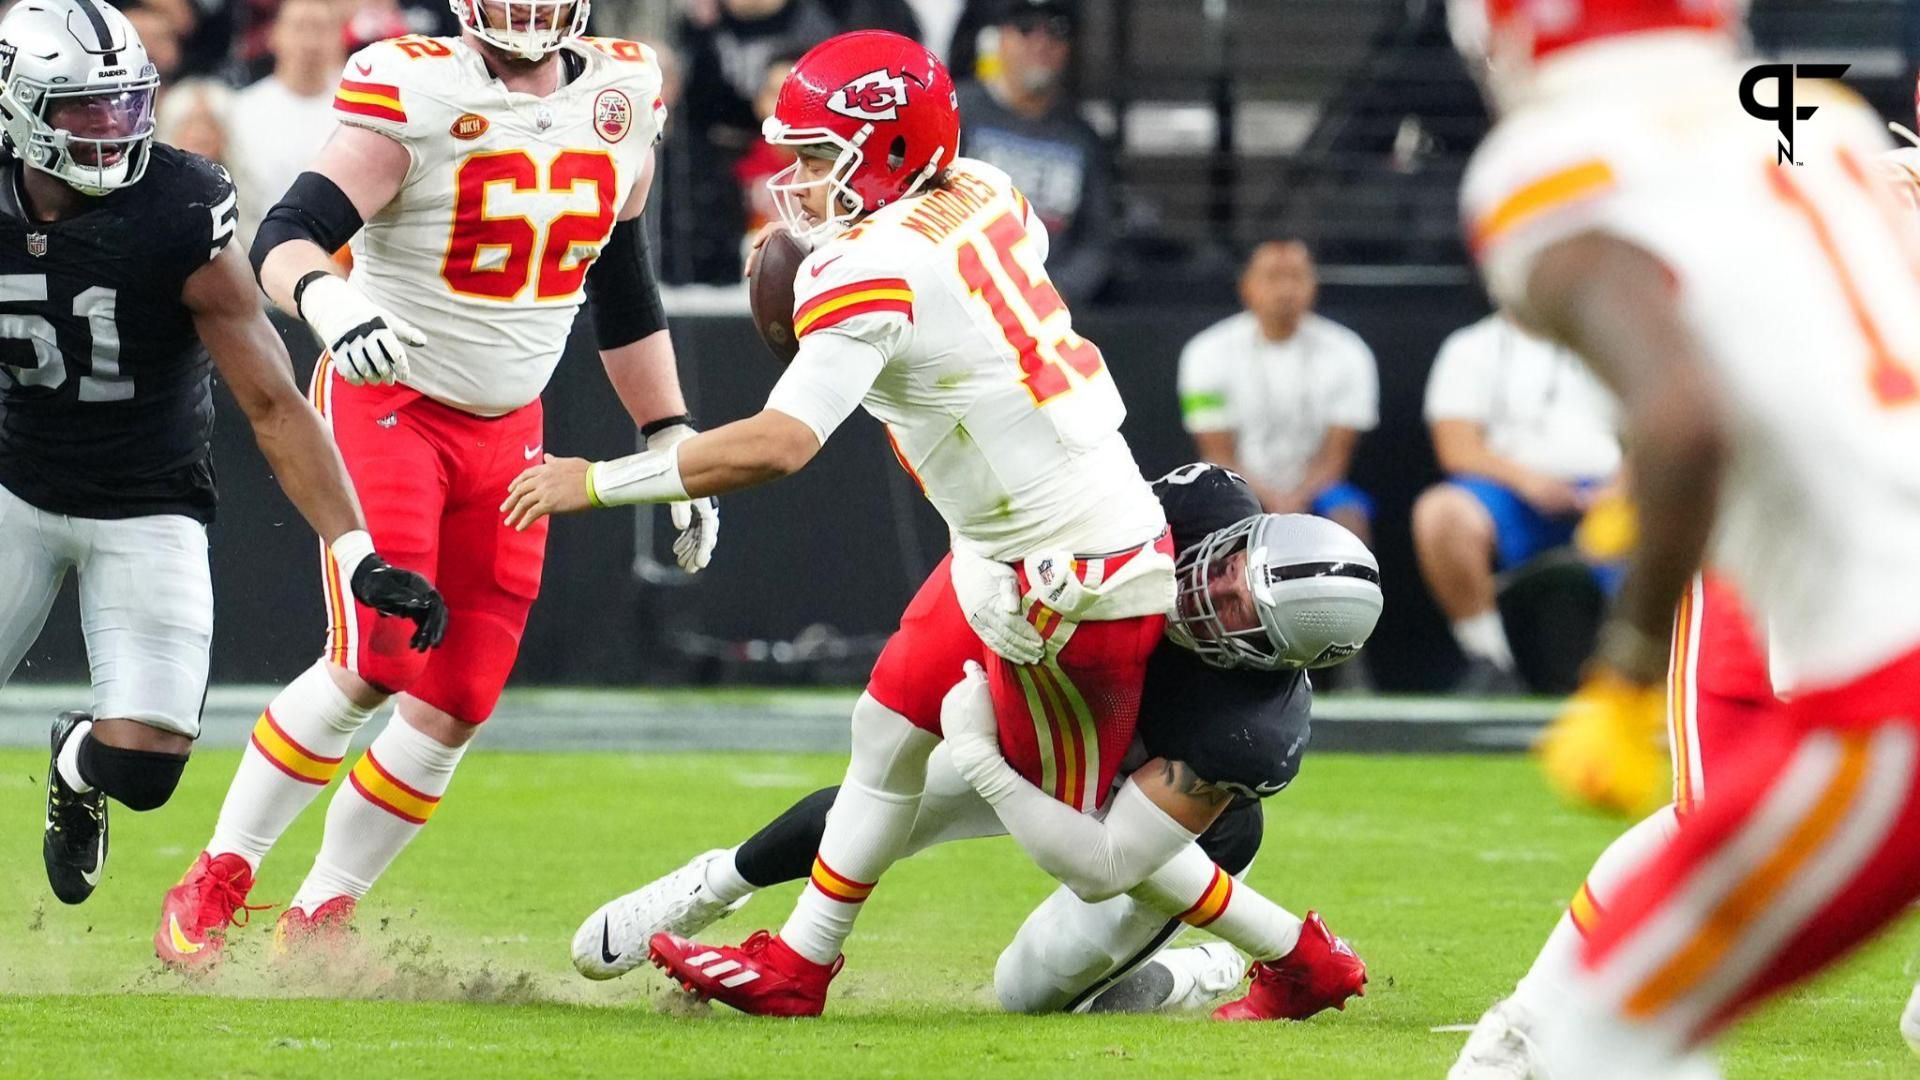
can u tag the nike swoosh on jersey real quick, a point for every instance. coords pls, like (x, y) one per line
(531, 452)
(365, 69)
(606, 943)
(822, 265)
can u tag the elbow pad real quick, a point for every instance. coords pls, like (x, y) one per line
(314, 209)
(622, 294)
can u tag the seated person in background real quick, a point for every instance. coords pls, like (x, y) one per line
(1528, 441)
(1280, 395)
(1022, 117)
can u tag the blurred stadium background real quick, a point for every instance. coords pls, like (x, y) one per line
(1343, 122)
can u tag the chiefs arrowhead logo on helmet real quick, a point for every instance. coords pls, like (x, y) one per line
(876, 95)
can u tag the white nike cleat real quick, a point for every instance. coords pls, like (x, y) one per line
(1500, 1048)
(613, 940)
(1202, 973)
(1910, 1021)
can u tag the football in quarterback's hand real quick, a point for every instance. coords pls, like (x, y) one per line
(770, 292)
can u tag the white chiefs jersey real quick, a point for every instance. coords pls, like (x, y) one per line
(507, 202)
(1802, 283)
(1009, 420)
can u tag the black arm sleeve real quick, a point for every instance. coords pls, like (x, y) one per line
(315, 209)
(622, 294)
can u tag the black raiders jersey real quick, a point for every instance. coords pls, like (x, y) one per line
(1243, 730)
(106, 407)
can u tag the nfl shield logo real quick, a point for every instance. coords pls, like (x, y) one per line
(36, 244)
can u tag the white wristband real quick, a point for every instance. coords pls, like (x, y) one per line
(651, 476)
(350, 549)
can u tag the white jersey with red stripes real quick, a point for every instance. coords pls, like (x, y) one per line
(508, 200)
(1010, 420)
(1802, 282)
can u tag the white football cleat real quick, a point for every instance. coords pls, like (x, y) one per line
(1910, 1021)
(1500, 1048)
(613, 940)
(1202, 973)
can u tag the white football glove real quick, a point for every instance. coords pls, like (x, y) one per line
(697, 520)
(989, 594)
(367, 344)
(972, 734)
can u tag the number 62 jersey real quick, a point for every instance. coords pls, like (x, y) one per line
(507, 202)
(105, 401)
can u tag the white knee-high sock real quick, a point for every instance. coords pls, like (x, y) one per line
(1548, 982)
(392, 791)
(867, 829)
(296, 749)
(1192, 888)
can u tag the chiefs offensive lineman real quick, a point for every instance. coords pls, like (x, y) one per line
(926, 299)
(493, 180)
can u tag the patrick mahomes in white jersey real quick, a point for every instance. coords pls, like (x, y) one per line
(927, 302)
(491, 183)
(1752, 301)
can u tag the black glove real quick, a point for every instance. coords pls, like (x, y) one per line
(403, 594)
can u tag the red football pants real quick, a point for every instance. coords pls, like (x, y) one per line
(1720, 700)
(431, 479)
(1066, 722)
(1806, 847)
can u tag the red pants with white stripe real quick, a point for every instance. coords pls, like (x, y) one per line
(1066, 722)
(431, 479)
(1806, 847)
(1720, 700)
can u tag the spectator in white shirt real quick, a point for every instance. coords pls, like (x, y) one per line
(1529, 442)
(1280, 395)
(279, 123)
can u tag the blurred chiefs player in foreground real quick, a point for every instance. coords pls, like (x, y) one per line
(1720, 702)
(926, 300)
(1758, 321)
(493, 180)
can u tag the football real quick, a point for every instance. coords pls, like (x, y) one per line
(770, 292)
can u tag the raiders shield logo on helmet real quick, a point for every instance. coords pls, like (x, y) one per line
(613, 115)
(36, 244)
(876, 95)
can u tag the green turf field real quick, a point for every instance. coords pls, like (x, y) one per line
(1445, 873)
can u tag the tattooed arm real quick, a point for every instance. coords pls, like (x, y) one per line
(1181, 794)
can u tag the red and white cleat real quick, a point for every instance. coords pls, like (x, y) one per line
(1321, 972)
(196, 913)
(325, 933)
(761, 975)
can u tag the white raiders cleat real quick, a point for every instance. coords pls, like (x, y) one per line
(1910, 1021)
(1500, 1048)
(613, 940)
(1202, 973)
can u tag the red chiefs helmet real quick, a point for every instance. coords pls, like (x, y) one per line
(1509, 37)
(882, 107)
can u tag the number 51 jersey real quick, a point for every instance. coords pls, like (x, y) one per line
(508, 200)
(105, 402)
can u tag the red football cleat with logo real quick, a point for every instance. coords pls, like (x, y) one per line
(325, 933)
(1321, 972)
(196, 913)
(761, 975)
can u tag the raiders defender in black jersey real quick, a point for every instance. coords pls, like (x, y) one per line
(1223, 723)
(115, 269)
